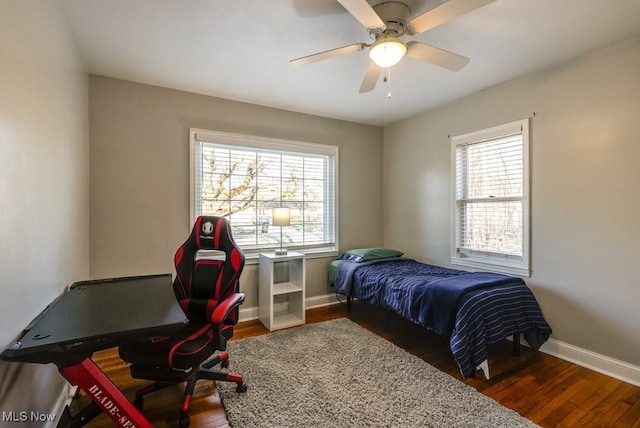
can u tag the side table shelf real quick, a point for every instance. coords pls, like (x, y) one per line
(281, 294)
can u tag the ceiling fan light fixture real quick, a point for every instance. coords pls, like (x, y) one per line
(387, 51)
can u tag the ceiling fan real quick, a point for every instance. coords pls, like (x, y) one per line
(387, 23)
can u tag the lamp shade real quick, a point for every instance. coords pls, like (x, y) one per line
(281, 216)
(387, 51)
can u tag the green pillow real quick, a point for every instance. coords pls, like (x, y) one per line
(359, 255)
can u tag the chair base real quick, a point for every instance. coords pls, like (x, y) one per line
(204, 372)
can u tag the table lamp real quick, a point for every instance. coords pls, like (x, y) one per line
(281, 217)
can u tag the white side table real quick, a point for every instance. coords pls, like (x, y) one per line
(281, 290)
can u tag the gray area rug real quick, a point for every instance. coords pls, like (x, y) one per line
(338, 374)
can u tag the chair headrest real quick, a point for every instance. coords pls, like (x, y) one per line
(212, 233)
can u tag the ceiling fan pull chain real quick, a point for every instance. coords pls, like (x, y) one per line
(387, 78)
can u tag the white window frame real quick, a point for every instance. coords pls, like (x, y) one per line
(513, 265)
(196, 136)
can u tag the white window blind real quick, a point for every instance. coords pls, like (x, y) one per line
(491, 198)
(243, 178)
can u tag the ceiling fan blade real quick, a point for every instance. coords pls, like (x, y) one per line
(370, 77)
(328, 54)
(437, 56)
(444, 13)
(363, 12)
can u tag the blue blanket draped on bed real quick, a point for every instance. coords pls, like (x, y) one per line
(472, 310)
(344, 279)
(436, 303)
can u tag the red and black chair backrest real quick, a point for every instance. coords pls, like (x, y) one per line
(201, 283)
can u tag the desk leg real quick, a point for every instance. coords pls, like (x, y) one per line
(88, 376)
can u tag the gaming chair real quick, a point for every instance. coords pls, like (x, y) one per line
(207, 291)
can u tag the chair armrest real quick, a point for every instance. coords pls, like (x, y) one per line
(221, 312)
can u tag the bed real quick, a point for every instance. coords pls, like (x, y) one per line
(471, 309)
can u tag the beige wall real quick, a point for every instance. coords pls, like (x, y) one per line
(140, 174)
(585, 184)
(44, 184)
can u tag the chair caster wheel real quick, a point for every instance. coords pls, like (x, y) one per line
(242, 387)
(138, 403)
(224, 364)
(185, 420)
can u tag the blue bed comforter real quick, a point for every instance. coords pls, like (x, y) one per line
(471, 309)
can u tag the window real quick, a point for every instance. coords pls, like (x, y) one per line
(244, 177)
(491, 199)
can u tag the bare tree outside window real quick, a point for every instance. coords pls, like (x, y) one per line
(493, 190)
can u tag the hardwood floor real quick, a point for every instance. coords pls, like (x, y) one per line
(549, 391)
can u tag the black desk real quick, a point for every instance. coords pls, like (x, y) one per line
(96, 315)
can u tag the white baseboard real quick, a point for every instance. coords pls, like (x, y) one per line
(601, 363)
(318, 301)
(248, 314)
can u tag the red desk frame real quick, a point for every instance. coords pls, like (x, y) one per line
(105, 394)
(106, 313)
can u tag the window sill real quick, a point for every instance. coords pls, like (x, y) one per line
(251, 258)
(493, 267)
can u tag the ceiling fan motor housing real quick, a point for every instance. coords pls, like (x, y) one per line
(395, 16)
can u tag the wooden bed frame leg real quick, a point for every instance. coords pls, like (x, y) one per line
(516, 345)
(349, 304)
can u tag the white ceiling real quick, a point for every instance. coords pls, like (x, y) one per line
(240, 49)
